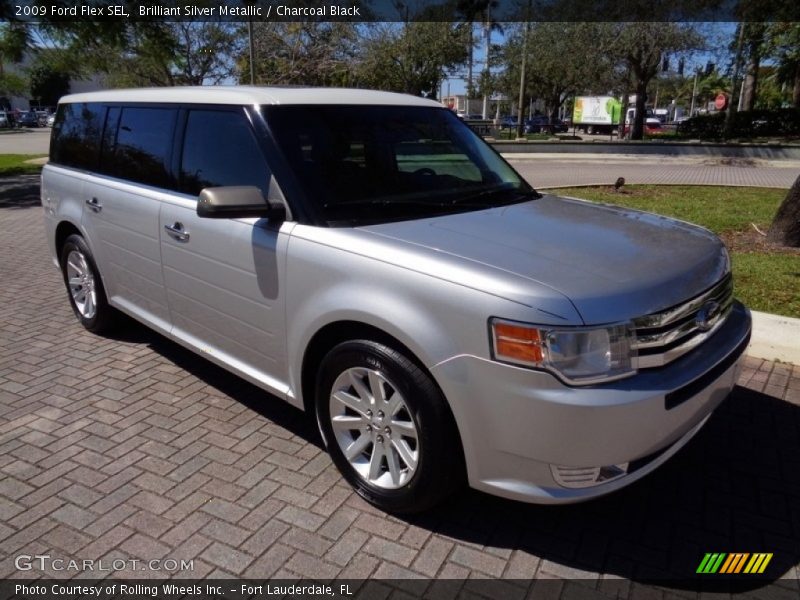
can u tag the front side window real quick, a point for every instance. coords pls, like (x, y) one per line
(75, 141)
(142, 147)
(219, 149)
(361, 164)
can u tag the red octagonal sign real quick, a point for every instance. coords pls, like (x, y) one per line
(721, 101)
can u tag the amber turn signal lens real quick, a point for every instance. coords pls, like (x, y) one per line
(517, 343)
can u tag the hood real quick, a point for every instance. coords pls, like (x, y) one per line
(613, 264)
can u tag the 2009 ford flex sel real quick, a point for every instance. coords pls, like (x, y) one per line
(368, 258)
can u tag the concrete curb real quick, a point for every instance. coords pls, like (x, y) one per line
(775, 338)
(706, 149)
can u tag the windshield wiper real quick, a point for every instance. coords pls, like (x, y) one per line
(395, 202)
(514, 194)
(476, 200)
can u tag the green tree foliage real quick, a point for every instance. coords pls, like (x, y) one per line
(558, 64)
(303, 53)
(784, 47)
(641, 48)
(48, 84)
(411, 57)
(15, 40)
(157, 53)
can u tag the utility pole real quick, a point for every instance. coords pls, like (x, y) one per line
(521, 105)
(252, 51)
(488, 34)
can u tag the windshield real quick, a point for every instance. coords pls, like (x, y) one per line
(360, 164)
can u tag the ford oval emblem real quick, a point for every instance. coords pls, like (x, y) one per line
(705, 316)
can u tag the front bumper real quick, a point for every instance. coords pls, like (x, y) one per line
(519, 427)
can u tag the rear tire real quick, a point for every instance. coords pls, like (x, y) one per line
(387, 427)
(85, 290)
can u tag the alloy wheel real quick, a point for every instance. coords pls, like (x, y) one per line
(374, 427)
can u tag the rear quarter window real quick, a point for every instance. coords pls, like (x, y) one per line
(75, 139)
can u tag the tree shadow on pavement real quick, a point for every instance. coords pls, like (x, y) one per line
(253, 397)
(19, 191)
(734, 488)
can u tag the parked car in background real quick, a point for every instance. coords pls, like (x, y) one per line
(540, 123)
(509, 122)
(4, 121)
(652, 126)
(50, 120)
(28, 119)
(535, 124)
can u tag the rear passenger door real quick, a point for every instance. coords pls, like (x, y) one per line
(122, 206)
(225, 277)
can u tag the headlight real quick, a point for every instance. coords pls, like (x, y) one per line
(578, 355)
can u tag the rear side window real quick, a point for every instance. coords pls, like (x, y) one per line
(142, 147)
(220, 149)
(75, 141)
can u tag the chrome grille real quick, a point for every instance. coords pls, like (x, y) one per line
(664, 336)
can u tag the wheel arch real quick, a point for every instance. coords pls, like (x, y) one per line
(63, 230)
(327, 337)
(331, 334)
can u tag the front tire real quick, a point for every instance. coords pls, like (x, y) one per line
(387, 427)
(87, 296)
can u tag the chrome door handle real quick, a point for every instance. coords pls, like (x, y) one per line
(94, 204)
(176, 231)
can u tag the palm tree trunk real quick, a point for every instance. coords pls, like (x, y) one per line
(785, 228)
(796, 87)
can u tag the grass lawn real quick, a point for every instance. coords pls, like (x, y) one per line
(14, 164)
(765, 278)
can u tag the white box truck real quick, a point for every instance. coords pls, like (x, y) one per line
(596, 114)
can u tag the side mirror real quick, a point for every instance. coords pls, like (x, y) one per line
(237, 202)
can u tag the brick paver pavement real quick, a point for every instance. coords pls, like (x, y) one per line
(132, 447)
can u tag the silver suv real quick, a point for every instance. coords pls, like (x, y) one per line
(366, 257)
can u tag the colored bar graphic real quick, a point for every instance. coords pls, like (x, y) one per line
(703, 563)
(758, 563)
(715, 566)
(722, 562)
(740, 564)
(734, 563)
(728, 563)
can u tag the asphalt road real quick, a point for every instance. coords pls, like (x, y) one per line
(25, 141)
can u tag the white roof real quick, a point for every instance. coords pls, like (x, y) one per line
(249, 95)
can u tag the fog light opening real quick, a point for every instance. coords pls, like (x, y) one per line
(583, 477)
